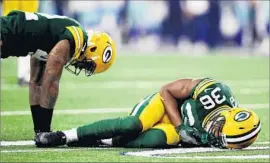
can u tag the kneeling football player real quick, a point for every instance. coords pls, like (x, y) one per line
(54, 43)
(193, 112)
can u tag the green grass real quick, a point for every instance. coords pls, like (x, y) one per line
(130, 79)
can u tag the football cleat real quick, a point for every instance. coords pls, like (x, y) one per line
(50, 139)
(234, 128)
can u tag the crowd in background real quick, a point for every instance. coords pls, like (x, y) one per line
(185, 24)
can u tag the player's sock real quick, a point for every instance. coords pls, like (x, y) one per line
(107, 142)
(109, 128)
(42, 118)
(71, 135)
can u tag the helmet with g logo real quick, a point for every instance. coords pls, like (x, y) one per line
(235, 128)
(98, 55)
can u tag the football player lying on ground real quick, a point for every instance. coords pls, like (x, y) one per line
(54, 42)
(193, 112)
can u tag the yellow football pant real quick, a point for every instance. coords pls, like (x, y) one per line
(151, 113)
(23, 5)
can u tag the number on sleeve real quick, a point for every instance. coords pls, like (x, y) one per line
(233, 102)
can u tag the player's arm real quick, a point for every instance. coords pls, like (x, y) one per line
(179, 89)
(37, 68)
(57, 59)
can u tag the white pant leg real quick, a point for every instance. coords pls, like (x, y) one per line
(24, 68)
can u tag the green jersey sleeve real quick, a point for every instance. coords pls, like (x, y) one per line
(77, 38)
(190, 115)
(33, 33)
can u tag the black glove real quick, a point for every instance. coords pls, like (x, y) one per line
(189, 134)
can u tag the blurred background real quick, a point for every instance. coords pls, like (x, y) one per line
(192, 27)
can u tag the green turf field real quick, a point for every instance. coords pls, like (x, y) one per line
(116, 91)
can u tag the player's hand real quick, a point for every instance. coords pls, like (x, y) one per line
(188, 134)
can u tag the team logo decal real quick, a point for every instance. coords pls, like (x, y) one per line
(241, 116)
(107, 54)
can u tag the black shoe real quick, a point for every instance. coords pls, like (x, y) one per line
(50, 139)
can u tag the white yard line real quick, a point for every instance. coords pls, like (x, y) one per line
(17, 143)
(72, 111)
(145, 153)
(242, 157)
(108, 110)
(260, 85)
(162, 152)
(51, 150)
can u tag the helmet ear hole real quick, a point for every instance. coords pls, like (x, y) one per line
(241, 128)
(93, 49)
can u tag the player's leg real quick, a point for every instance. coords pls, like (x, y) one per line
(41, 117)
(161, 135)
(24, 62)
(149, 110)
(89, 134)
(23, 70)
(144, 115)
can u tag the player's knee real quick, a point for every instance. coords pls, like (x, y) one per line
(172, 137)
(155, 139)
(131, 123)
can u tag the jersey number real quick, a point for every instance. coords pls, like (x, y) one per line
(210, 101)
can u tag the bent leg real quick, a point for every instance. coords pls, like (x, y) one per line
(144, 116)
(149, 110)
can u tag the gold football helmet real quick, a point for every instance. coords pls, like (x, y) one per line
(97, 56)
(235, 128)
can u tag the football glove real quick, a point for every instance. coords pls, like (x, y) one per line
(189, 134)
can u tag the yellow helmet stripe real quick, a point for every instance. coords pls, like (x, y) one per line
(202, 86)
(204, 81)
(78, 38)
(245, 137)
